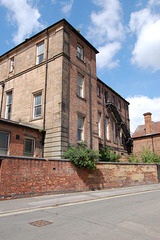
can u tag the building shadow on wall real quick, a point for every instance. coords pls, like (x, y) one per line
(92, 179)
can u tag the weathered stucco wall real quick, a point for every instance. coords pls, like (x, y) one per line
(22, 177)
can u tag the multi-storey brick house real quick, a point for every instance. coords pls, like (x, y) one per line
(49, 81)
(113, 119)
(147, 136)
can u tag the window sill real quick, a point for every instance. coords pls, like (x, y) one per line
(80, 60)
(11, 73)
(28, 155)
(82, 98)
(34, 119)
(41, 63)
(80, 142)
(100, 139)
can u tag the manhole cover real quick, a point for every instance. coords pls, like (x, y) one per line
(40, 223)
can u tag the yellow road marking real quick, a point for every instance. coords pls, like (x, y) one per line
(28, 210)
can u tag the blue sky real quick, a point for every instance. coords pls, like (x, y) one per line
(126, 33)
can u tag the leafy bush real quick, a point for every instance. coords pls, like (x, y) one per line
(148, 156)
(145, 156)
(82, 156)
(108, 156)
(133, 159)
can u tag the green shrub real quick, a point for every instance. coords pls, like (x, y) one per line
(82, 156)
(145, 156)
(133, 159)
(108, 156)
(148, 156)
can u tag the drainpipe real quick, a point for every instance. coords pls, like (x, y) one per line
(45, 93)
(152, 145)
(90, 105)
(3, 86)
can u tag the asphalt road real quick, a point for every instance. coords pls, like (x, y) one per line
(127, 216)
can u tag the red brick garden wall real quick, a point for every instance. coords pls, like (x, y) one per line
(22, 177)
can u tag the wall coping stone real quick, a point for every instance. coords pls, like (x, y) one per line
(2, 157)
(126, 163)
(62, 160)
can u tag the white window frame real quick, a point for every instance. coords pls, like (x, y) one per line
(107, 129)
(40, 52)
(8, 105)
(99, 125)
(12, 64)
(35, 106)
(98, 90)
(80, 129)
(7, 148)
(114, 131)
(80, 88)
(121, 137)
(80, 52)
(113, 100)
(119, 105)
(29, 154)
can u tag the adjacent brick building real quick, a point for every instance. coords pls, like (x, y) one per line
(49, 82)
(17, 139)
(147, 136)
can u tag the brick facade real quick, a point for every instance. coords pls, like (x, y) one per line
(17, 133)
(55, 78)
(153, 143)
(147, 136)
(107, 115)
(22, 177)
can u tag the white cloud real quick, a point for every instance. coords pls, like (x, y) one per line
(145, 24)
(106, 24)
(67, 7)
(107, 31)
(106, 54)
(23, 16)
(153, 2)
(140, 105)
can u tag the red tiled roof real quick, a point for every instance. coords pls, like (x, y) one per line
(141, 130)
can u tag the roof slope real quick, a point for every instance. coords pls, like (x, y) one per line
(62, 21)
(112, 90)
(10, 122)
(141, 130)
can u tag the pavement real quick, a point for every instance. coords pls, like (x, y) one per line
(23, 204)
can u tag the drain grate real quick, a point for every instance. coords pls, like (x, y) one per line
(40, 223)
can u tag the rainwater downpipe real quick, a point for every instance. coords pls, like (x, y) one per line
(3, 86)
(90, 105)
(152, 145)
(45, 93)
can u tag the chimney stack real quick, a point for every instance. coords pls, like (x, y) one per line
(148, 122)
